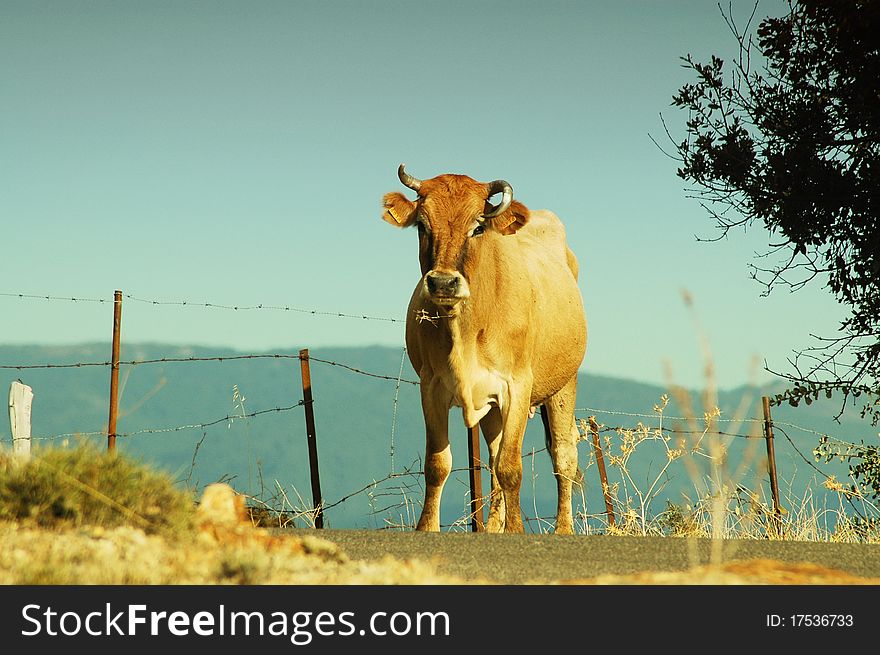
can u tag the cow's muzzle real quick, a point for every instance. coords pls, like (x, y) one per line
(444, 288)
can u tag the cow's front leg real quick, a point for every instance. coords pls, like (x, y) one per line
(509, 464)
(438, 455)
(491, 428)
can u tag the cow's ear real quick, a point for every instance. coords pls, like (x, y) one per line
(399, 211)
(512, 219)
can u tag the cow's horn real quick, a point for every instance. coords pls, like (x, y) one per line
(502, 187)
(408, 180)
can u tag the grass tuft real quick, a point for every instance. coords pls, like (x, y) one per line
(82, 486)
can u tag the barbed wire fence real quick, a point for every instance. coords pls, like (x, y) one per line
(404, 483)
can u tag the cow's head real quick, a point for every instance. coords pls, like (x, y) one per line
(453, 215)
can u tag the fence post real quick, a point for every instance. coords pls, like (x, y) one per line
(21, 397)
(476, 479)
(310, 436)
(600, 461)
(771, 459)
(114, 372)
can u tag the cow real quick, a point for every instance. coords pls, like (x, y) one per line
(496, 327)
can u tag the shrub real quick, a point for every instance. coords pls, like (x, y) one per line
(84, 486)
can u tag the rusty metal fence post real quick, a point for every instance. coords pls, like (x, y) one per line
(771, 461)
(476, 479)
(310, 437)
(114, 372)
(600, 461)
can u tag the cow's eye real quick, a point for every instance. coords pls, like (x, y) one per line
(478, 231)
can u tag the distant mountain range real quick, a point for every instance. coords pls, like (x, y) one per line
(368, 428)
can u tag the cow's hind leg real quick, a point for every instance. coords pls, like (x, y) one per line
(438, 456)
(491, 427)
(558, 414)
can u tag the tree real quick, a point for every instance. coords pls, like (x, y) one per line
(788, 137)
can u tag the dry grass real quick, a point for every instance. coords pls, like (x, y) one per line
(726, 500)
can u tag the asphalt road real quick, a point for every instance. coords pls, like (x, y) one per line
(529, 558)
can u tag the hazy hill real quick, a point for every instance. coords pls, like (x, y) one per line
(354, 418)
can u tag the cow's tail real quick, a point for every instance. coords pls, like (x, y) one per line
(548, 440)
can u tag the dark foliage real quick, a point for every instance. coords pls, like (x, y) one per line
(794, 144)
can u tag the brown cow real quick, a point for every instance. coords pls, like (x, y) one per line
(495, 326)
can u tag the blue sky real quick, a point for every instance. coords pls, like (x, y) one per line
(237, 153)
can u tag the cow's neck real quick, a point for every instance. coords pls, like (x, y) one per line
(475, 386)
(465, 322)
(464, 327)
(461, 340)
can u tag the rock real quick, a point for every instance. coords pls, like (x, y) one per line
(220, 505)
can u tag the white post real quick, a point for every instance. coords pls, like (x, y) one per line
(21, 398)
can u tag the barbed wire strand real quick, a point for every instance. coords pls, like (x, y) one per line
(221, 358)
(717, 420)
(665, 416)
(28, 296)
(23, 367)
(360, 372)
(719, 433)
(797, 450)
(226, 419)
(281, 308)
(205, 305)
(70, 435)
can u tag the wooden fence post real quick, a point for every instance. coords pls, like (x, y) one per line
(476, 479)
(114, 372)
(310, 437)
(600, 461)
(21, 398)
(771, 460)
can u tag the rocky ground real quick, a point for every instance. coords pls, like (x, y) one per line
(225, 550)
